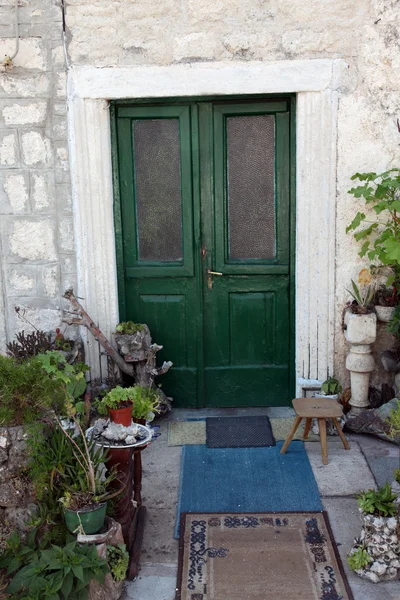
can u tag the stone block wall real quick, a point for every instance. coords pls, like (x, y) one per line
(37, 251)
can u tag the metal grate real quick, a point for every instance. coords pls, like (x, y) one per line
(251, 186)
(156, 147)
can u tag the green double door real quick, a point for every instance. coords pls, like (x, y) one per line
(203, 231)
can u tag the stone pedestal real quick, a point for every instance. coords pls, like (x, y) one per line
(112, 536)
(360, 332)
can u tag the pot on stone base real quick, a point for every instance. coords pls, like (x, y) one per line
(384, 313)
(360, 332)
(380, 539)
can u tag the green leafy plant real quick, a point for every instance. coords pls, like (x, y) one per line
(118, 560)
(57, 573)
(381, 237)
(359, 559)
(56, 466)
(331, 386)
(115, 398)
(145, 401)
(380, 502)
(363, 296)
(71, 378)
(25, 392)
(129, 327)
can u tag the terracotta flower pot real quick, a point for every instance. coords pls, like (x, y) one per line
(122, 415)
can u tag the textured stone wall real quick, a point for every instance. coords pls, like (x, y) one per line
(16, 491)
(37, 258)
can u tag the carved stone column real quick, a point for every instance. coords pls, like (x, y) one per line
(360, 332)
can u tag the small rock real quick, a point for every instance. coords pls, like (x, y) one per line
(3, 442)
(378, 568)
(115, 431)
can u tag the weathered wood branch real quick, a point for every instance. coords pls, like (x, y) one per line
(83, 319)
(138, 359)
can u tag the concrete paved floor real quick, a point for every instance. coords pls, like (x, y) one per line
(374, 460)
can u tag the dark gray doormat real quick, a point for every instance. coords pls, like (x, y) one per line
(239, 432)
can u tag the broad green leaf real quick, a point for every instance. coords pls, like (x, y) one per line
(355, 222)
(364, 249)
(15, 564)
(67, 585)
(392, 247)
(362, 191)
(389, 183)
(78, 572)
(365, 232)
(395, 205)
(364, 176)
(384, 205)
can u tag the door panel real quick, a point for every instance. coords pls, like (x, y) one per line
(156, 188)
(246, 305)
(205, 186)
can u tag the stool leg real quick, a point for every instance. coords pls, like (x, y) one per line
(341, 434)
(307, 428)
(291, 434)
(324, 445)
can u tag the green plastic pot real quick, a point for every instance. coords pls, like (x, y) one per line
(91, 519)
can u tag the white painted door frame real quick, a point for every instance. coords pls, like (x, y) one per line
(316, 83)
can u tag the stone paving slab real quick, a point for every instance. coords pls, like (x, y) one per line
(346, 474)
(155, 582)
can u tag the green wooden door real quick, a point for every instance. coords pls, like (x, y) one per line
(204, 186)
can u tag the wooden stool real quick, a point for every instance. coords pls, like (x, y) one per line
(321, 409)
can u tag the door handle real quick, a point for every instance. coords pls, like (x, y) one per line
(210, 277)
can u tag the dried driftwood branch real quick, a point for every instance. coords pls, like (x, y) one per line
(140, 353)
(83, 319)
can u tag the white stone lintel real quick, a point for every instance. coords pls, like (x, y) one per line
(206, 79)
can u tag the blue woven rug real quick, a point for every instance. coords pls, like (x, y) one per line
(246, 480)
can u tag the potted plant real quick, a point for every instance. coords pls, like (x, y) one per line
(86, 494)
(386, 300)
(330, 388)
(145, 404)
(132, 339)
(379, 231)
(117, 403)
(85, 500)
(376, 554)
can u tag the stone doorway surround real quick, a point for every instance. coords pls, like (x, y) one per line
(316, 83)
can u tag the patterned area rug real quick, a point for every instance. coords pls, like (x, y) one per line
(259, 556)
(183, 433)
